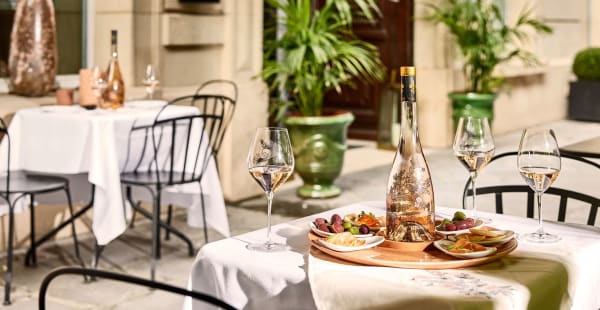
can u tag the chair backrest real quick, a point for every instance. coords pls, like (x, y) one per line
(94, 273)
(181, 146)
(217, 95)
(564, 194)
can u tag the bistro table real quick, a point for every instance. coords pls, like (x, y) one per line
(564, 275)
(72, 140)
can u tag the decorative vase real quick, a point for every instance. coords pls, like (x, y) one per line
(472, 104)
(32, 58)
(319, 145)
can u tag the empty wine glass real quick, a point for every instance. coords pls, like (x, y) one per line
(270, 162)
(150, 81)
(99, 85)
(539, 164)
(474, 147)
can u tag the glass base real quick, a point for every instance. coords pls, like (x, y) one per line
(541, 237)
(267, 247)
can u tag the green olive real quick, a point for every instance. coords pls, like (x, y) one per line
(459, 216)
(347, 225)
(354, 230)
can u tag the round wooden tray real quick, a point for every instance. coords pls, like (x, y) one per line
(431, 258)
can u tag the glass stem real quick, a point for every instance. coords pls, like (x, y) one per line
(474, 189)
(540, 230)
(269, 195)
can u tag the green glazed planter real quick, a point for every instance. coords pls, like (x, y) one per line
(472, 104)
(319, 145)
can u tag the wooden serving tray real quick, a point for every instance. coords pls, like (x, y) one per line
(431, 258)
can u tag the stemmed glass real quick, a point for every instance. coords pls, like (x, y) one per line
(99, 84)
(270, 162)
(539, 164)
(150, 81)
(474, 147)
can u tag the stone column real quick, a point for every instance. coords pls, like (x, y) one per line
(242, 62)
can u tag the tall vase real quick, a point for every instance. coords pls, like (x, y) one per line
(32, 58)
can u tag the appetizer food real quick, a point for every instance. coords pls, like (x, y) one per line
(485, 234)
(465, 246)
(356, 225)
(459, 221)
(345, 239)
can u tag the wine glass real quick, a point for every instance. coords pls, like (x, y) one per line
(539, 164)
(150, 81)
(99, 85)
(270, 162)
(474, 147)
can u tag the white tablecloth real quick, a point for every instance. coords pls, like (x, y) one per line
(565, 275)
(72, 140)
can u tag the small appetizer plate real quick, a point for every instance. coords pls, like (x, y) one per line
(443, 245)
(369, 243)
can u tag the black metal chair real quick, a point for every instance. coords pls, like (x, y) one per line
(208, 101)
(94, 273)
(182, 148)
(564, 194)
(16, 185)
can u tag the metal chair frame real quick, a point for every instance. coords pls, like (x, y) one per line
(94, 273)
(5, 193)
(212, 103)
(564, 194)
(162, 135)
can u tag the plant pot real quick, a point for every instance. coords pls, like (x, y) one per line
(472, 104)
(319, 145)
(584, 100)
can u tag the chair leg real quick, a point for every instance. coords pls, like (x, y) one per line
(9, 256)
(169, 215)
(155, 235)
(203, 214)
(73, 231)
(32, 235)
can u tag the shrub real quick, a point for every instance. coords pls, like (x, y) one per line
(587, 64)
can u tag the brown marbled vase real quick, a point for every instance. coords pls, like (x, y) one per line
(32, 59)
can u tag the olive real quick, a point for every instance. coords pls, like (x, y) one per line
(446, 221)
(337, 228)
(336, 219)
(462, 225)
(459, 216)
(331, 229)
(323, 227)
(347, 225)
(364, 229)
(450, 227)
(320, 221)
(354, 230)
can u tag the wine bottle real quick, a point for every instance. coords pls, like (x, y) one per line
(409, 196)
(114, 95)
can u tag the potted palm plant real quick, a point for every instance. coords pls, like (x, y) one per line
(485, 41)
(320, 53)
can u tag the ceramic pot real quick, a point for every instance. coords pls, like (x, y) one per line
(472, 104)
(319, 145)
(32, 58)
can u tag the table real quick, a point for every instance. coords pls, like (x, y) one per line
(588, 148)
(72, 140)
(561, 276)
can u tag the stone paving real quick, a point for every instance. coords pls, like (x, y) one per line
(363, 178)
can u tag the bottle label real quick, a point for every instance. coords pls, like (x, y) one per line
(408, 89)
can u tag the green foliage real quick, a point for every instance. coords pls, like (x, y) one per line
(587, 64)
(320, 52)
(484, 39)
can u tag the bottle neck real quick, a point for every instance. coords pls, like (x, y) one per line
(408, 119)
(113, 45)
